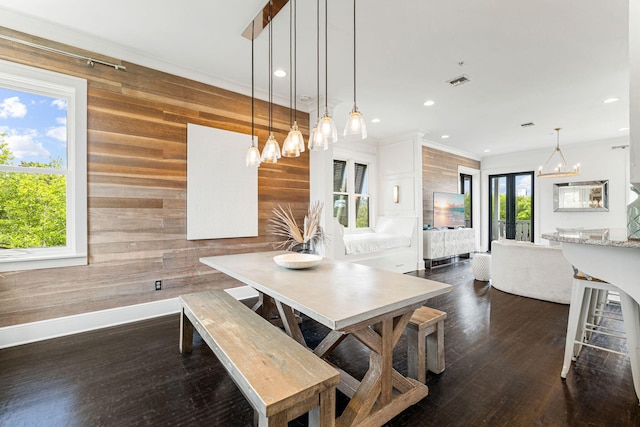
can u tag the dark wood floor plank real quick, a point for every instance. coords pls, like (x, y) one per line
(503, 356)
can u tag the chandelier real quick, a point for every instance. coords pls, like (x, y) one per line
(561, 170)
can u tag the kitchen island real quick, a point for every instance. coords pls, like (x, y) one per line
(610, 256)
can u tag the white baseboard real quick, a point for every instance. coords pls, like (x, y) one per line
(53, 328)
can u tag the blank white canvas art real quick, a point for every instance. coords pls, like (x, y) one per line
(222, 192)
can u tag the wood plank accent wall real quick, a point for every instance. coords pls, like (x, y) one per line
(137, 188)
(440, 174)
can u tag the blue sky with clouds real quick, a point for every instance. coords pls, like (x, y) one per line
(35, 126)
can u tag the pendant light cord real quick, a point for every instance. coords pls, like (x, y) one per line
(318, 55)
(326, 59)
(290, 61)
(295, 60)
(253, 125)
(354, 53)
(270, 65)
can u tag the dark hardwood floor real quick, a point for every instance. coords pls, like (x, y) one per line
(503, 361)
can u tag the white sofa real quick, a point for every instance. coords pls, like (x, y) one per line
(530, 270)
(392, 245)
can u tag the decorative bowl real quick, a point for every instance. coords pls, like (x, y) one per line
(297, 261)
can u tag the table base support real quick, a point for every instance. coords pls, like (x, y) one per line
(378, 417)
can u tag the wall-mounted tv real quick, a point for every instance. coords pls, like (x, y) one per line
(448, 210)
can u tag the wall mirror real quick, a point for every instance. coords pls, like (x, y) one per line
(590, 196)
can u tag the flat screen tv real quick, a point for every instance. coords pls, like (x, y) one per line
(448, 210)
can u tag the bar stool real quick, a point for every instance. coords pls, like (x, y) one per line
(588, 293)
(425, 329)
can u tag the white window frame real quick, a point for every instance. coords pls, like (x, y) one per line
(74, 91)
(351, 161)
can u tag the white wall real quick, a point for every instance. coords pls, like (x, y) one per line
(400, 164)
(634, 88)
(397, 167)
(598, 161)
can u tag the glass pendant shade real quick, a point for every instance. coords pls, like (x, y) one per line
(355, 128)
(317, 142)
(294, 144)
(297, 137)
(290, 147)
(327, 128)
(271, 150)
(253, 157)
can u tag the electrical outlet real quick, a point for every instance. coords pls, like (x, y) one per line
(158, 285)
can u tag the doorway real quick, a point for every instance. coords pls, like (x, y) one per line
(466, 188)
(511, 207)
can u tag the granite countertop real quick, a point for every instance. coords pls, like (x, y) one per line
(598, 237)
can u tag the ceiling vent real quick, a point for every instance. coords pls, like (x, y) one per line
(526, 125)
(460, 80)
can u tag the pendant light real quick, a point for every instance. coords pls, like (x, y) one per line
(294, 143)
(327, 125)
(317, 142)
(271, 150)
(253, 155)
(355, 128)
(562, 169)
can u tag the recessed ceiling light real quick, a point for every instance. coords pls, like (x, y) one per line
(623, 129)
(375, 120)
(486, 150)
(429, 103)
(610, 100)
(280, 73)
(444, 136)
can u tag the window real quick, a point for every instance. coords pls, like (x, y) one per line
(351, 196)
(43, 131)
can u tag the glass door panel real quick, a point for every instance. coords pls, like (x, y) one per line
(511, 206)
(465, 187)
(498, 207)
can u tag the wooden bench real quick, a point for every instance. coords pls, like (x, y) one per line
(281, 379)
(426, 324)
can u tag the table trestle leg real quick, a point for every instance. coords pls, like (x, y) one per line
(374, 401)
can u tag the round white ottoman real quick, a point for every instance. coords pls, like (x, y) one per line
(481, 266)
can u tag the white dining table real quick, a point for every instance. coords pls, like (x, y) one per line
(373, 305)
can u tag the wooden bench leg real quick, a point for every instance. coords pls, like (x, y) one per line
(186, 333)
(324, 414)
(435, 350)
(276, 420)
(416, 367)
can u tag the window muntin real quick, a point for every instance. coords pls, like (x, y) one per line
(361, 192)
(351, 197)
(340, 192)
(43, 162)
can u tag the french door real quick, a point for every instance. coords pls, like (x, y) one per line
(466, 182)
(511, 206)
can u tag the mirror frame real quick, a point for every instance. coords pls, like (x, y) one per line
(603, 186)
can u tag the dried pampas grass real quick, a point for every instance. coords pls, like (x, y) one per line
(284, 224)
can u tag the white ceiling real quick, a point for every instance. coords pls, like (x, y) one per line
(549, 62)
